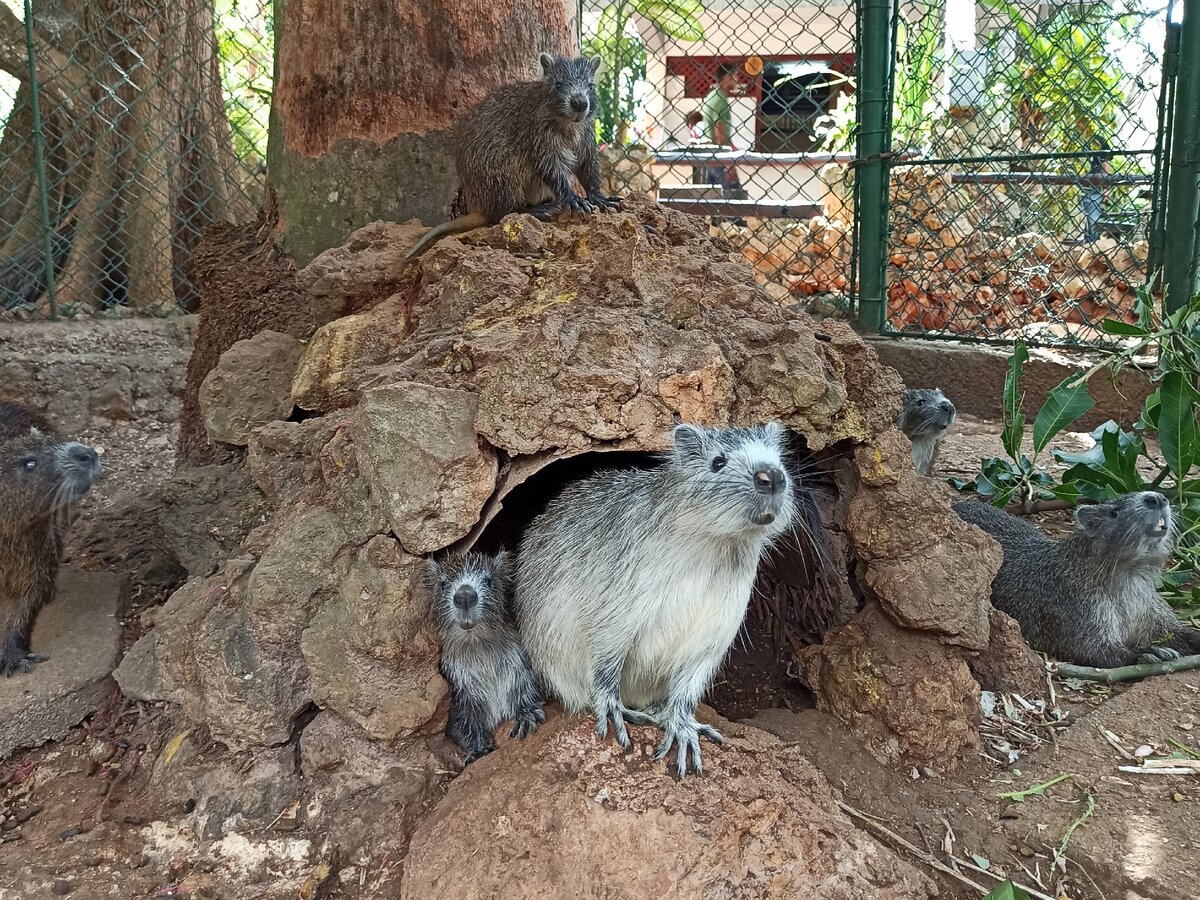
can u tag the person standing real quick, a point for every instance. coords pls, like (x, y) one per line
(718, 126)
(1091, 195)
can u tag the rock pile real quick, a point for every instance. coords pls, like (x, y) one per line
(960, 261)
(419, 413)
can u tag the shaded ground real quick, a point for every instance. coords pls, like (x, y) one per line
(81, 818)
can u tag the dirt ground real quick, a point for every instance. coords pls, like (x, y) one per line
(81, 818)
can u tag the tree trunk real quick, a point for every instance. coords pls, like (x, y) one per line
(365, 94)
(139, 155)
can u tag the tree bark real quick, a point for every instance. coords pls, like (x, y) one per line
(366, 93)
(139, 154)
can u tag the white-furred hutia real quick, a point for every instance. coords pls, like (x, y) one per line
(632, 585)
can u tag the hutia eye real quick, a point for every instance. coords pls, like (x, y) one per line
(719, 463)
(30, 464)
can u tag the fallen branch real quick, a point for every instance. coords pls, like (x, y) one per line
(1125, 673)
(929, 859)
(1030, 507)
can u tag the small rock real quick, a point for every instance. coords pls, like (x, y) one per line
(25, 815)
(73, 831)
(133, 820)
(250, 386)
(61, 887)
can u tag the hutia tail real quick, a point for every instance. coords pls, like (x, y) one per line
(454, 226)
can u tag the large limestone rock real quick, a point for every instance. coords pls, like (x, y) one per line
(449, 383)
(250, 386)
(558, 815)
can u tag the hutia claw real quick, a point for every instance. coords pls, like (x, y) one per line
(686, 740)
(527, 724)
(621, 716)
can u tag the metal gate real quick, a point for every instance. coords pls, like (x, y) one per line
(1027, 153)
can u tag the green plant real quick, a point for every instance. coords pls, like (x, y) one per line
(1121, 460)
(919, 58)
(245, 46)
(1065, 84)
(915, 103)
(1007, 891)
(624, 56)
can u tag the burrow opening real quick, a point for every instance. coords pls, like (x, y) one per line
(801, 591)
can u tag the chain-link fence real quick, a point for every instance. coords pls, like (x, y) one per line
(149, 122)
(982, 169)
(1016, 163)
(1023, 207)
(740, 110)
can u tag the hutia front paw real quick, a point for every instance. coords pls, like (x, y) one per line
(685, 737)
(527, 722)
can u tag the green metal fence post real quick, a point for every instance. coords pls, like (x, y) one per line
(871, 178)
(39, 151)
(1181, 256)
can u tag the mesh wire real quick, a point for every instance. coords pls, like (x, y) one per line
(153, 126)
(772, 179)
(1022, 151)
(1021, 204)
(1008, 215)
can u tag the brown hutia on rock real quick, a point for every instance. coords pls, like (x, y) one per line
(438, 411)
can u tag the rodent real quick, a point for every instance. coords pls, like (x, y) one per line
(631, 586)
(1091, 598)
(925, 414)
(490, 677)
(41, 477)
(517, 149)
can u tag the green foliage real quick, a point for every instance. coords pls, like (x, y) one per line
(920, 56)
(1122, 460)
(624, 56)
(1065, 84)
(1007, 891)
(245, 46)
(914, 106)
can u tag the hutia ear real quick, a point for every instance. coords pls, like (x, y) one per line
(1089, 516)
(775, 431)
(689, 440)
(594, 62)
(547, 62)
(504, 564)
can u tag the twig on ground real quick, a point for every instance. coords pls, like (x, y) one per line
(929, 859)
(1031, 507)
(1125, 673)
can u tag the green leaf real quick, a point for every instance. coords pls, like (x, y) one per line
(1116, 326)
(612, 18)
(1036, 790)
(1007, 891)
(1177, 432)
(1066, 403)
(1014, 418)
(679, 19)
(1067, 492)
(1107, 469)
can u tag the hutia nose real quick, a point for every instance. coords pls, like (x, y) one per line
(465, 597)
(768, 481)
(578, 103)
(83, 456)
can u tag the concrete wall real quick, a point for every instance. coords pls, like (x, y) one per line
(972, 376)
(89, 372)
